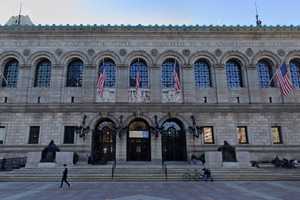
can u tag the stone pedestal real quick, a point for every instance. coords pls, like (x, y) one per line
(213, 159)
(243, 158)
(231, 165)
(47, 165)
(64, 158)
(33, 159)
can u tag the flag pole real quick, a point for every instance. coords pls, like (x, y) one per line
(270, 81)
(290, 76)
(20, 11)
(4, 78)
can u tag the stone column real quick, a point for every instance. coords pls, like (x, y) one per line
(122, 83)
(23, 83)
(221, 84)
(121, 148)
(89, 84)
(156, 151)
(155, 85)
(188, 84)
(57, 83)
(253, 84)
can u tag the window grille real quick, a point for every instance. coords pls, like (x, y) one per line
(11, 71)
(43, 74)
(202, 74)
(167, 78)
(265, 74)
(234, 74)
(34, 133)
(139, 65)
(74, 75)
(295, 73)
(109, 67)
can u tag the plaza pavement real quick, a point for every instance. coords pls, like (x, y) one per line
(152, 191)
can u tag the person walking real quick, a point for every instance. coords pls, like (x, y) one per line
(65, 177)
(207, 174)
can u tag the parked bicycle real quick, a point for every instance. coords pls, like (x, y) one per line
(192, 175)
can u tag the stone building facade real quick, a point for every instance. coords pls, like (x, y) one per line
(162, 122)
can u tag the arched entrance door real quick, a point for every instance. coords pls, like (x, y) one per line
(138, 141)
(104, 142)
(173, 141)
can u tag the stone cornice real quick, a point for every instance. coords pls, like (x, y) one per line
(185, 28)
(154, 29)
(153, 107)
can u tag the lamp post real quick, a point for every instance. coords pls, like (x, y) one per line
(194, 129)
(83, 129)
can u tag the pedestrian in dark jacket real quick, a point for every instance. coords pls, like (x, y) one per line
(207, 174)
(65, 177)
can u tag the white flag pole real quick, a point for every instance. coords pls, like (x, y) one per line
(270, 81)
(2, 75)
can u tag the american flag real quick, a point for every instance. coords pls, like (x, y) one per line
(101, 82)
(177, 84)
(283, 80)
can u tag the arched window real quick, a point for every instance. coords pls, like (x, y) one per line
(139, 65)
(43, 74)
(234, 74)
(109, 68)
(295, 72)
(167, 75)
(265, 73)
(74, 75)
(202, 74)
(11, 71)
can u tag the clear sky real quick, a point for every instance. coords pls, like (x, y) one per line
(203, 12)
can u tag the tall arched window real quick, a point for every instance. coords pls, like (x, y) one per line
(234, 74)
(265, 73)
(167, 75)
(295, 72)
(43, 74)
(202, 74)
(11, 71)
(139, 65)
(109, 68)
(74, 74)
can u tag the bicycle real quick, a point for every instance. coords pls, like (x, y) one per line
(192, 175)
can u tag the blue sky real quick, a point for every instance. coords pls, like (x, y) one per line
(216, 12)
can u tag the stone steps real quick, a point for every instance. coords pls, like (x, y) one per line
(145, 173)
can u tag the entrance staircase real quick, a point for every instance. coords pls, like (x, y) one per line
(131, 172)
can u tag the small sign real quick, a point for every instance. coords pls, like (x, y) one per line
(138, 134)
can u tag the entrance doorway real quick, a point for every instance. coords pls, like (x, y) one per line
(173, 141)
(138, 141)
(104, 143)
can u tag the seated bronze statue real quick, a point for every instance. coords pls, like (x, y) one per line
(49, 152)
(228, 152)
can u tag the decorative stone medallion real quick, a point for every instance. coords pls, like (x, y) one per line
(58, 52)
(154, 52)
(186, 52)
(123, 52)
(26, 52)
(249, 52)
(91, 52)
(218, 52)
(281, 52)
